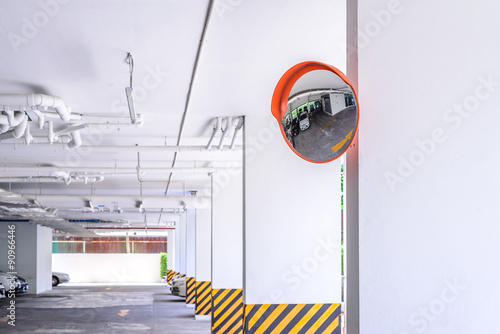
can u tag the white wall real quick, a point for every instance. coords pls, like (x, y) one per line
(33, 251)
(227, 230)
(429, 180)
(292, 222)
(109, 268)
(203, 245)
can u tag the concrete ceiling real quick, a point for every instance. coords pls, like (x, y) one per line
(77, 50)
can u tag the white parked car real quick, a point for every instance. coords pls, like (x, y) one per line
(58, 278)
(178, 287)
(304, 121)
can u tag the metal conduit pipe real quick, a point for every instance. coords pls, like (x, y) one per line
(238, 127)
(225, 131)
(217, 127)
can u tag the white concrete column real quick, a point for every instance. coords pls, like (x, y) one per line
(190, 257)
(227, 250)
(171, 254)
(182, 241)
(33, 254)
(292, 229)
(203, 263)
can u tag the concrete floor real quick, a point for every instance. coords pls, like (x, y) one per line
(102, 309)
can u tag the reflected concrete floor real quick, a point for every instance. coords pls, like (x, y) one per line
(103, 309)
(325, 134)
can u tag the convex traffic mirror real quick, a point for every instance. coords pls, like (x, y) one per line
(317, 110)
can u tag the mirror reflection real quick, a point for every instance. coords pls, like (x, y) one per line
(321, 117)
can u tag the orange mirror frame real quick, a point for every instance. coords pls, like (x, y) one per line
(282, 91)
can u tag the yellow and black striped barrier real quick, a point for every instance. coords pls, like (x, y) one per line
(190, 290)
(227, 312)
(292, 318)
(182, 275)
(170, 275)
(203, 298)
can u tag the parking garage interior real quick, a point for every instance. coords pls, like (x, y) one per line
(141, 158)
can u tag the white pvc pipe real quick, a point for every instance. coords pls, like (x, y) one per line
(21, 128)
(27, 135)
(11, 117)
(4, 128)
(36, 100)
(76, 140)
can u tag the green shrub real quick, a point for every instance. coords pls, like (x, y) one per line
(163, 264)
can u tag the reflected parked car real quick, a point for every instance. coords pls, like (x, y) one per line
(3, 292)
(178, 287)
(23, 284)
(58, 278)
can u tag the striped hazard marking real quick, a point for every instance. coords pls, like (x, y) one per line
(227, 312)
(292, 318)
(190, 290)
(170, 275)
(203, 298)
(182, 275)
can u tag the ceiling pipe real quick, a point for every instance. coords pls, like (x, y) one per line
(49, 179)
(27, 135)
(127, 228)
(41, 118)
(18, 131)
(38, 101)
(238, 127)
(4, 128)
(114, 170)
(11, 117)
(76, 140)
(148, 201)
(41, 141)
(217, 127)
(21, 127)
(224, 132)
